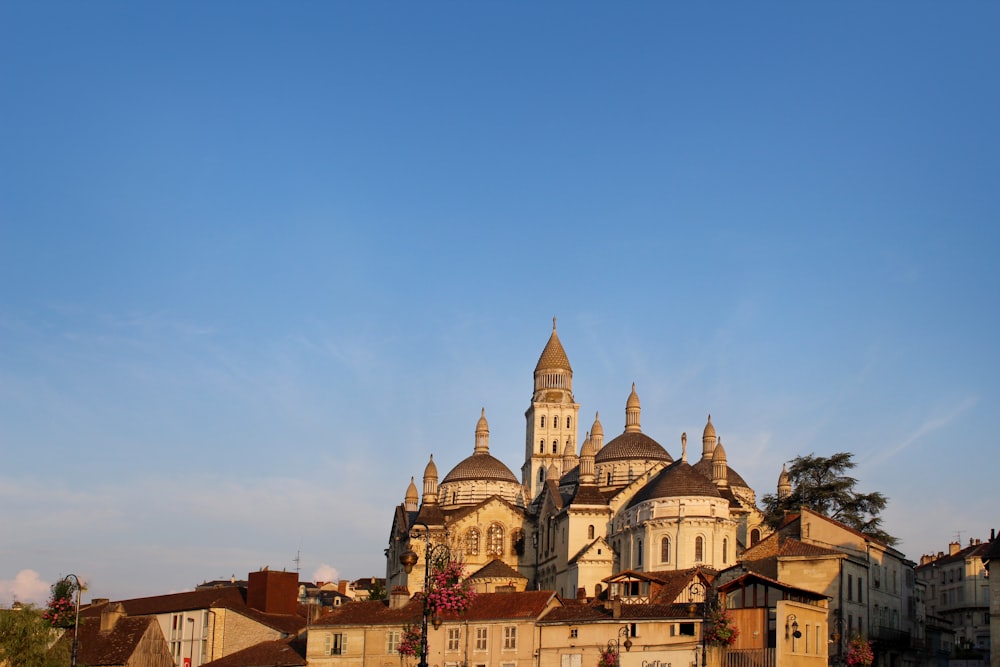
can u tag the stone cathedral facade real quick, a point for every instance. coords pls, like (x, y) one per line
(576, 516)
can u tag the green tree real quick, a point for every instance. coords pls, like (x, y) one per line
(377, 591)
(27, 639)
(821, 484)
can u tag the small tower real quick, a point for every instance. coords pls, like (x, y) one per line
(684, 446)
(482, 435)
(569, 458)
(784, 483)
(720, 470)
(596, 434)
(431, 483)
(632, 411)
(587, 453)
(708, 440)
(412, 500)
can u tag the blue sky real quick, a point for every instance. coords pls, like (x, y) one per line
(258, 260)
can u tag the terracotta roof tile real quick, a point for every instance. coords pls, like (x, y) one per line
(98, 648)
(497, 569)
(278, 653)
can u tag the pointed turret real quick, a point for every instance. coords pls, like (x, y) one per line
(569, 457)
(632, 410)
(431, 483)
(708, 440)
(597, 433)
(411, 499)
(553, 370)
(720, 471)
(482, 435)
(784, 483)
(587, 453)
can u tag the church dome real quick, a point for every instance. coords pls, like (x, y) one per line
(679, 479)
(632, 445)
(480, 467)
(704, 467)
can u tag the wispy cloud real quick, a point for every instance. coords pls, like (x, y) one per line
(928, 426)
(26, 586)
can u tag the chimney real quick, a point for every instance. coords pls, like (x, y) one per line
(954, 548)
(399, 596)
(342, 587)
(273, 592)
(616, 608)
(110, 616)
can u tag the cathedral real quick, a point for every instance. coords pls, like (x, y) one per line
(577, 516)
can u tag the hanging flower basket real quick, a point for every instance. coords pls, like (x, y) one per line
(448, 591)
(720, 630)
(411, 642)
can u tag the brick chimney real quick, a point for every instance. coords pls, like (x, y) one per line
(273, 592)
(954, 548)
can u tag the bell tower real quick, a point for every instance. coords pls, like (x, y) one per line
(550, 433)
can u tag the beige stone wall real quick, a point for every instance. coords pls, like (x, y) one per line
(654, 641)
(231, 631)
(811, 648)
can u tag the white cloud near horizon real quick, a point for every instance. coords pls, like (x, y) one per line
(26, 586)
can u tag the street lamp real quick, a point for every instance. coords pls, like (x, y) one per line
(432, 554)
(616, 643)
(76, 622)
(695, 590)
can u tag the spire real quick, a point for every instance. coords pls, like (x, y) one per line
(431, 482)
(684, 446)
(597, 433)
(552, 472)
(569, 457)
(553, 370)
(411, 498)
(632, 410)
(784, 483)
(482, 435)
(720, 471)
(708, 440)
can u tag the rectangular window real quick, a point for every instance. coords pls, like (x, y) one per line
(334, 644)
(391, 641)
(510, 638)
(571, 660)
(572, 633)
(860, 596)
(850, 588)
(481, 643)
(454, 639)
(686, 629)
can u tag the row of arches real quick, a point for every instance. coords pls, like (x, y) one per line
(555, 422)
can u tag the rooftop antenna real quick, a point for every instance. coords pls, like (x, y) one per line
(298, 560)
(958, 536)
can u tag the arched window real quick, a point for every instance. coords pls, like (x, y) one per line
(754, 536)
(590, 532)
(665, 550)
(725, 550)
(609, 479)
(472, 542)
(541, 475)
(638, 553)
(541, 446)
(494, 544)
(569, 420)
(542, 422)
(555, 446)
(699, 549)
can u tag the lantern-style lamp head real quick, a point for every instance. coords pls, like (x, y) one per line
(408, 559)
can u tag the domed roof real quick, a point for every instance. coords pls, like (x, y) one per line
(411, 491)
(678, 479)
(480, 466)
(553, 356)
(632, 445)
(719, 454)
(633, 399)
(784, 477)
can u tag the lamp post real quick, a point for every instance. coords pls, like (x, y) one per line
(431, 554)
(76, 622)
(616, 643)
(698, 589)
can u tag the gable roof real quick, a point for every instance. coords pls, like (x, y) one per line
(277, 653)
(116, 647)
(755, 577)
(497, 569)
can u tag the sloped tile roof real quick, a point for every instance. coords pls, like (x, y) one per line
(98, 648)
(278, 653)
(972, 551)
(371, 612)
(497, 569)
(678, 479)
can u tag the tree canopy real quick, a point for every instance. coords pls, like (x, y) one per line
(821, 484)
(27, 639)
